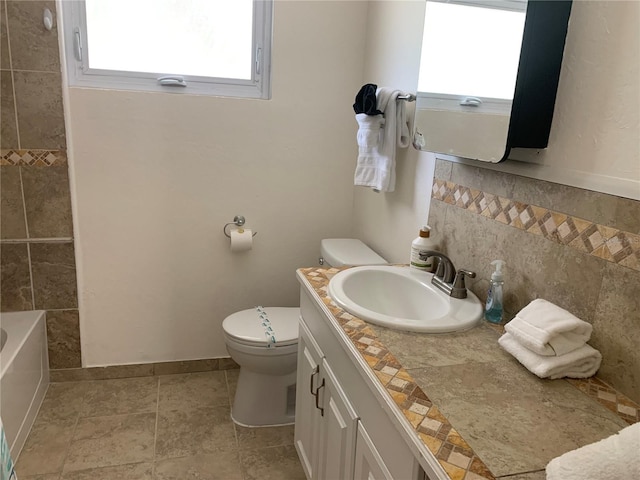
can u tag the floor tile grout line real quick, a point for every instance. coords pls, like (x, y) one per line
(235, 429)
(99, 467)
(125, 414)
(155, 431)
(73, 434)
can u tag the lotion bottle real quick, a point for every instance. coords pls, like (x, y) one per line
(421, 243)
(493, 309)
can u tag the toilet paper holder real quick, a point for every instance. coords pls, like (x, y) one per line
(238, 221)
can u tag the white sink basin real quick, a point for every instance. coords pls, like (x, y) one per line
(402, 298)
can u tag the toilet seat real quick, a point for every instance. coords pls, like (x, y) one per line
(269, 327)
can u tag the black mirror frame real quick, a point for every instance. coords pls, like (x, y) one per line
(543, 40)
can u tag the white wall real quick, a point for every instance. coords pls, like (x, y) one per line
(390, 221)
(156, 176)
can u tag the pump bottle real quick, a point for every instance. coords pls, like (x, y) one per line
(493, 309)
(421, 243)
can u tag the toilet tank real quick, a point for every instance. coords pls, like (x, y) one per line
(342, 252)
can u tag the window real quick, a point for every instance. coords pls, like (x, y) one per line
(471, 51)
(215, 47)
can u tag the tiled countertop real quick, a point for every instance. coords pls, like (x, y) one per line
(480, 412)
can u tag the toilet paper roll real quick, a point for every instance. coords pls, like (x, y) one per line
(241, 240)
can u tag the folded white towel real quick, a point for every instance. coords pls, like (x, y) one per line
(615, 458)
(376, 166)
(580, 363)
(547, 329)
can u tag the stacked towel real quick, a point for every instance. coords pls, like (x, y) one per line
(580, 363)
(551, 342)
(377, 154)
(547, 329)
(614, 458)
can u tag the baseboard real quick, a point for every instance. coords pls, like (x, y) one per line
(141, 370)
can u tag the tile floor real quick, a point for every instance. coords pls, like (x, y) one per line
(165, 427)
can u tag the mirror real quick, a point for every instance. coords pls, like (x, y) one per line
(488, 76)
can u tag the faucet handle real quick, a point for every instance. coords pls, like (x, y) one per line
(459, 288)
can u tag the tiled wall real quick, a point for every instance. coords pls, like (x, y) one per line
(577, 248)
(30, 63)
(36, 233)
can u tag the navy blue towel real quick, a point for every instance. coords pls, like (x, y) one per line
(366, 101)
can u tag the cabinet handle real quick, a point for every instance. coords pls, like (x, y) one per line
(317, 396)
(313, 374)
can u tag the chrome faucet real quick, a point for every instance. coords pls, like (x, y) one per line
(444, 278)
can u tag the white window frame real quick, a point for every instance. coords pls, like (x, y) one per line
(74, 26)
(459, 102)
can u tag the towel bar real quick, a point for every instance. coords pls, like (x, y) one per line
(408, 97)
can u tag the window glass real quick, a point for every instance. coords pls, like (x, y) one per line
(484, 67)
(209, 38)
(217, 47)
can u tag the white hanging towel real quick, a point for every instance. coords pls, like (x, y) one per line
(376, 166)
(580, 363)
(369, 133)
(615, 458)
(547, 329)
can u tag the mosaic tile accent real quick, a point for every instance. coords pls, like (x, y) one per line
(438, 435)
(33, 158)
(452, 451)
(610, 244)
(607, 396)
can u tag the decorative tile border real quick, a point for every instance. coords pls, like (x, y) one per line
(611, 244)
(453, 453)
(606, 395)
(33, 158)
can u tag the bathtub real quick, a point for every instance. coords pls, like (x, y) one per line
(24, 373)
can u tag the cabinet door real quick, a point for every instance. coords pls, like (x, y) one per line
(368, 462)
(337, 429)
(307, 428)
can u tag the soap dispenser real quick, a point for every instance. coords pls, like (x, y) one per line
(422, 243)
(493, 309)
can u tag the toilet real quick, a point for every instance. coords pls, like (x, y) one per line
(264, 342)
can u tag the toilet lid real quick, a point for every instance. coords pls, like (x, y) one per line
(341, 252)
(264, 326)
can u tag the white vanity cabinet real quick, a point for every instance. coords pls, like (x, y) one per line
(338, 428)
(326, 423)
(344, 428)
(368, 462)
(308, 415)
